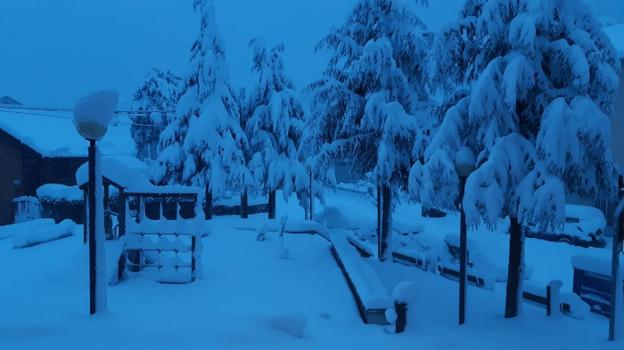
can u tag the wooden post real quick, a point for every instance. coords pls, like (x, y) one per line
(378, 213)
(108, 221)
(272, 204)
(401, 312)
(161, 208)
(208, 207)
(193, 245)
(386, 222)
(553, 299)
(615, 263)
(463, 253)
(122, 212)
(244, 204)
(311, 196)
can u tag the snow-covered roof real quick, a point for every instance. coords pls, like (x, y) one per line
(53, 135)
(616, 34)
(132, 174)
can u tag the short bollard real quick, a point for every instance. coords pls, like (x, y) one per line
(401, 316)
(553, 298)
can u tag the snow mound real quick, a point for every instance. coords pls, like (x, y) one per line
(404, 292)
(292, 323)
(44, 234)
(24, 228)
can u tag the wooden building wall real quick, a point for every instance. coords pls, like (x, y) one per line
(22, 171)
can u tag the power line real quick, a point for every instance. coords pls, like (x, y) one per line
(21, 111)
(52, 109)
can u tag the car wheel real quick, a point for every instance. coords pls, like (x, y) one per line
(565, 240)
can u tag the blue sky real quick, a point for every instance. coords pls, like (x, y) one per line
(55, 51)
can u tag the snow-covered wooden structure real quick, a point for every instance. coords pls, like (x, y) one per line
(167, 251)
(128, 192)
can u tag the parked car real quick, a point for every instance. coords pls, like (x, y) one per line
(584, 226)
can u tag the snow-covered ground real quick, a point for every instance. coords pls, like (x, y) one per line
(248, 294)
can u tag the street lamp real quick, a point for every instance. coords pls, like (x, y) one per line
(464, 165)
(616, 250)
(92, 115)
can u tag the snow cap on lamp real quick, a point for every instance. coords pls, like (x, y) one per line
(93, 113)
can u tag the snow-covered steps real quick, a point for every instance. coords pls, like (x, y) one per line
(370, 295)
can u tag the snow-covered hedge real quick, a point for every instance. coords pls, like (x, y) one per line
(58, 192)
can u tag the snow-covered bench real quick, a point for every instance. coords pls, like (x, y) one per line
(451, 271)
(370, 295)
(410, 258)
(592, 281)
(292, 227)
(553, 300)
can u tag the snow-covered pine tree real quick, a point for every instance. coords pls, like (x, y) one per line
(543, 77)
(159, 92)
(367, 111)
(274, 123)
(203, 146)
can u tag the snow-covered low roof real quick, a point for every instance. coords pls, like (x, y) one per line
(616, 34)
(131, 174)
(53, 135)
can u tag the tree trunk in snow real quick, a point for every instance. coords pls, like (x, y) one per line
(244, 204)
(272, 206)
(515, 269)
(385, 221)
(208, 206)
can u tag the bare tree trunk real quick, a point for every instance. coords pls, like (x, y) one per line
(272, 205)
(515, 269)
(244, 204)
(385, 224)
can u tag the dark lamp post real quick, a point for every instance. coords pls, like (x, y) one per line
(464, 166)
(92, 115)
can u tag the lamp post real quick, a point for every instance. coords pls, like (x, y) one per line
(616, 249)
(92, 115)
(464, 165)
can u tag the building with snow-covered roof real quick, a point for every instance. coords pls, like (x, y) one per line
(44, 147)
